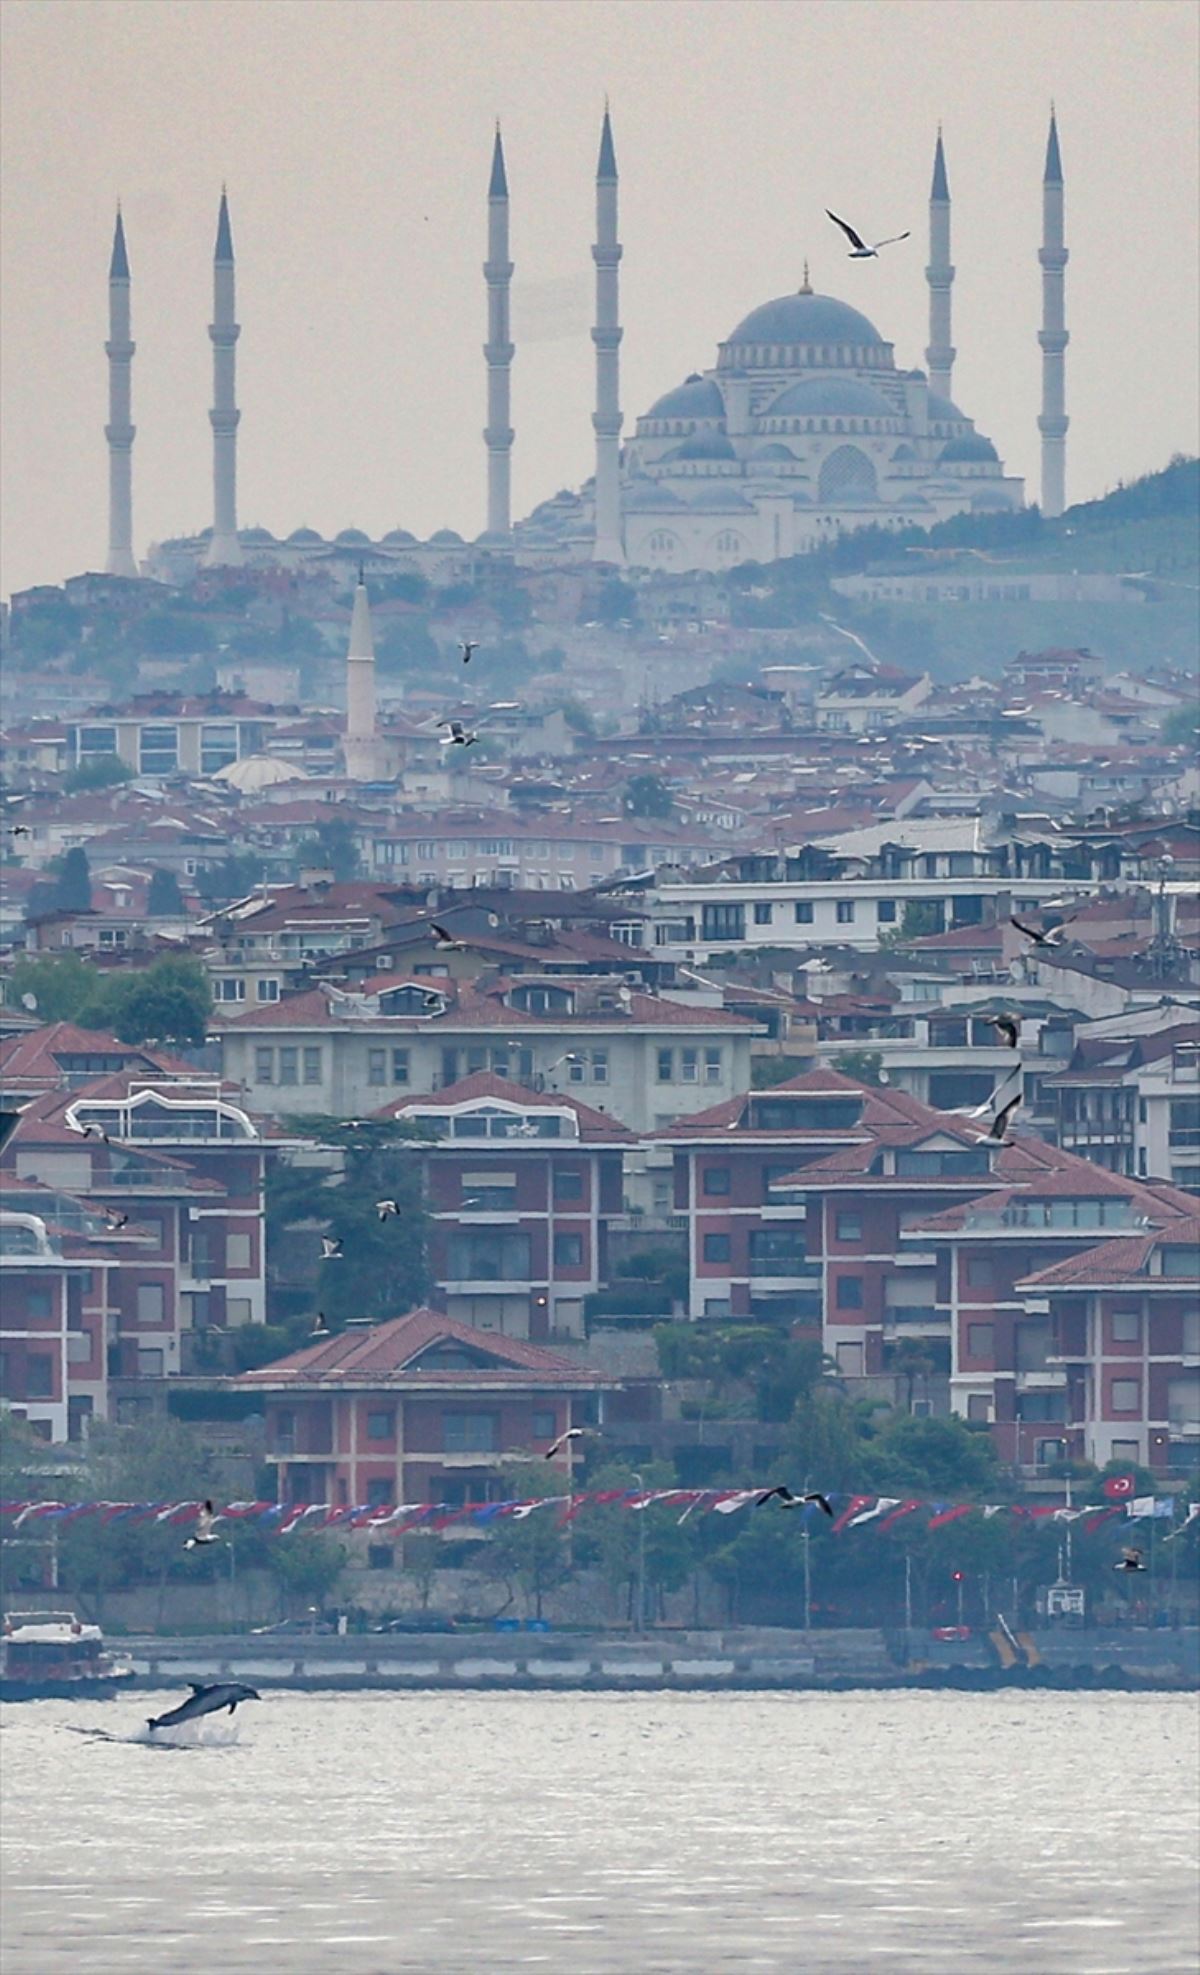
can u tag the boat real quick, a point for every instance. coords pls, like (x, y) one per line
(52, 1656)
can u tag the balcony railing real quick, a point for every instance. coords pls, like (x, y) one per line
(916, 1313)
(798, 1267)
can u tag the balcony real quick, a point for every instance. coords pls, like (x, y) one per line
(915, 1317)
(1047, 1378)
(792, 1268)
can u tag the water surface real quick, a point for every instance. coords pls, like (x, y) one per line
(607, 1834)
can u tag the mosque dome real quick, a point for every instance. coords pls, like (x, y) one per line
(993, 498)
(697, 397)
(815, 396)
(703, 445)
(398, 538)
(775, 450)
(648, 495)
(304, 537)
(446, 537)
(971, 446)
(719, 494)
(942, 412)
(806, 318)
(258, 771)
(352, 538)
(253, 536)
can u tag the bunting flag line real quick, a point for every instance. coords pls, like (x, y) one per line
(878, 1512)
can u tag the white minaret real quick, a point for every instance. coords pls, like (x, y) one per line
(940, 276)
(359, 749)
(606, 419)
(1053, 335)
(120, 430)
(224, 549)
(498, 350)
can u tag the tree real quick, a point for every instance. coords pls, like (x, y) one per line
(99, 771)
(164, 900)
(1180, 727)
(648, 796)
(333, 847)
(529, 1553)
(866, 1065)
(73, 890)
(385, 1270)
(234, 877)
(941, 1458)
(60, 985)
(306, 1564)
(168, 1002)
(912, 1359)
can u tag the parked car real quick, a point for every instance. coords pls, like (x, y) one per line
(295, 1628)
(417, 1622)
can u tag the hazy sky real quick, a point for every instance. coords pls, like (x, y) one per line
(355, 136)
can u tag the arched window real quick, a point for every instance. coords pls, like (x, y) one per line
(663, 544)
(846, 475)
(729, 544)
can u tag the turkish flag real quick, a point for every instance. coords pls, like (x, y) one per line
(1118, 1486)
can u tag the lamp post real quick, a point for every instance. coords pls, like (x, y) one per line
(807, 1590)
(640, 1608)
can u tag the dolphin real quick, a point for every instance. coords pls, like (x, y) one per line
(204, 1700)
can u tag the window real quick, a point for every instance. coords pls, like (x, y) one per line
(400, 1063)
(289, 1064)
(885, 911)
(568, 1251)
(377, 1066)
(312, 1066)
(981, 1340)
(716, 1179)
(666, 1066)
(1126, 1395)
(981, 1272)
(576, 1066)
(544, 1424)
(37, 1301)
(39, 1375)
(689, 1066)
(712, 1066)
(979, 1407)
(849, 1292)
(237, 1312)
(1126, 1326)
(1127, 1450)
(777, 1252)
(267, 990)
(939, 1165)
(723, 922)
(237, 1251)
(1180, 1261)
(149, 1363)
(264, 1066)
(599, 1066)
(764, 912)
(230, 990)
(481, 1255)
(717, 1248)
(845, 912)
(381, 1423)
(150, 1303)
(568, 1184)
(381, 1556)
(849, 1227)
(469, 1433)
(159, 750)
(803, 911)
(850, 1360)
(380, 1491)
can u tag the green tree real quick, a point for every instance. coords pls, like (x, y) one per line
(529, 1553)
(164, 899)
(99, 771)
(1181, 727)
(334, 847)
(866, 1065)
(60, 985)
(233, 878)
(166, 1003)
(384, 1267)
(306, 1565)
(73, 889)
(934, 1457)
(648, 796)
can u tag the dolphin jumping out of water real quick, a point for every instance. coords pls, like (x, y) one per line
(204, 1700)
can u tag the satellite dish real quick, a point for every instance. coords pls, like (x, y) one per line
(29, 1001)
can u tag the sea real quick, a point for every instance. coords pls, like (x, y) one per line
(606, 1834)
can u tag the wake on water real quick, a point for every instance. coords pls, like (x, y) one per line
(184, 1735)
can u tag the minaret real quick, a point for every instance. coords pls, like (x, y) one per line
(940, 275)
(1053, 335)
(359, 748)
(498, 350)
(224, 549)
(120, 430)
(606, 419)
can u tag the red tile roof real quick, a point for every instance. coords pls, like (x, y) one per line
(1123, 1261)
(385, 1354)
(484, 1083)
(470, 1009)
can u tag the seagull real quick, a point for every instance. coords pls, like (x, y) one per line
(331, 1248)
(19, 830)
(90, 1131)
(320, 1328)
(431, 1001)
(466, 646)
(1008, 1027)
(387, 1209)
(459, 736)
(1000, 1121)
(1054, 937)
(115, 1222)
(572, 1433)
(1130, 1560)
(444, 939)
(203, 1532)
(859, 250)
(354, 1124)
(790, 1501)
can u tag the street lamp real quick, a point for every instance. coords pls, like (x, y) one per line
(958, 1576)
(640, 1612)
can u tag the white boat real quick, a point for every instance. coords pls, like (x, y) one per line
(55, 1656)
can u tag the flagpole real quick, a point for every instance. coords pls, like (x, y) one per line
(1070, 1574)
(807, 1594)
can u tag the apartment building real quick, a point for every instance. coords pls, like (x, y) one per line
(57, 1262)
(1131, 1103)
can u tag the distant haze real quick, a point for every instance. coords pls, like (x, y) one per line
(355, 139)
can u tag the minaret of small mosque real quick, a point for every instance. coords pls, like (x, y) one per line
(940, 275)
(120, 429)
(606, 419)
(224, 549)
(359, 748)
(1053, 336)
(498, 350)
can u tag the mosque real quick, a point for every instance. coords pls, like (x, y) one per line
(804, 427)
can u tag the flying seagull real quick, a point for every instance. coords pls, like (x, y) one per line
(19, 830)
(203, 1532)
(1007, 1026)
(1130, 1560)
(445, 939)
(320, 1328)
(1053, 937)
(115, 1222)
(466, 646)
(431, 1001)
(331, 1248)
(459, 737)
(859, 250)
(572, 1433)
(790, 1501)
(387, 1209)
(999, 1123)
(90, 1131)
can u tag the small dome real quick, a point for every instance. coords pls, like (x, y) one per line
(814, 397)
(943, 412)
(721, 494)
(971, 446)
(398, 538)
(302, 537)
(806, 318)
(703, 445)
(447, 535)
(258, 771)
(991, 498)
(647, 496)
(352, 538)
(698, 397)
(253, 535)
(776, 450)
(912, 500)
